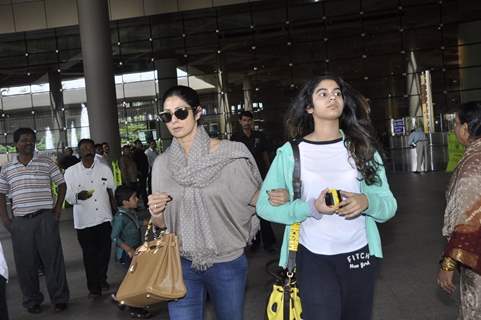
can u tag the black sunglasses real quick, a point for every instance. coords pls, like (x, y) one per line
(180, 113)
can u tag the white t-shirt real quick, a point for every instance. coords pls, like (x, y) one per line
(3, 264)
(327, 165)
(151, 155)
(96, 209)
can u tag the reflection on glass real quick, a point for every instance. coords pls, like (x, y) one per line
(73, 135)
(84, 123)
(48, 139)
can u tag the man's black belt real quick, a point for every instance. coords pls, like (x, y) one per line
(34, 214)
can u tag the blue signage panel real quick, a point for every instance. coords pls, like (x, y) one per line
(398, 126)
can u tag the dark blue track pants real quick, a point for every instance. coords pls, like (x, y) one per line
(336, 287)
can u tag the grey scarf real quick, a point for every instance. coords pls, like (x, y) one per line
(193, 172)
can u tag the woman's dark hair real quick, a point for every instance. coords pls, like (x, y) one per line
(187, 94)
(123, 193)
(470, 113)
(21, 131)
(360, 136)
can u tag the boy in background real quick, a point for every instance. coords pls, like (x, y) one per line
(126, 234)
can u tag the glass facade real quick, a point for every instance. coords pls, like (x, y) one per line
(265, 50)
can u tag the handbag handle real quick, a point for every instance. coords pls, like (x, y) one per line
(151, 228)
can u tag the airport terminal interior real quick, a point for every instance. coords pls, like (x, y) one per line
(414, 60)
(246, 55)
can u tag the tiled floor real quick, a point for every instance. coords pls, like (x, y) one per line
(406, 289)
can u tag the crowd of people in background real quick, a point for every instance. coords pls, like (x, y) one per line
(88, 185)
(189, 190)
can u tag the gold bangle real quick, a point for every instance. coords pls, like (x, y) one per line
(448, 264)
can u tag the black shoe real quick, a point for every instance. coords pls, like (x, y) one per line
(35, 309)
(119, 305)
(138, 313)
(59, 307)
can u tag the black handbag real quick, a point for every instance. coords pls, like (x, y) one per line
(284, 302)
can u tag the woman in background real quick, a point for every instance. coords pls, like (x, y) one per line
(462, 218)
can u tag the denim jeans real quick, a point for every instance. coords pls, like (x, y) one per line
(224, 282)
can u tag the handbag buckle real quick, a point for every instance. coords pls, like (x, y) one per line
(141, 249)
(132, 267)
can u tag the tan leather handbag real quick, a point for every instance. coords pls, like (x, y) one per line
(155, 273)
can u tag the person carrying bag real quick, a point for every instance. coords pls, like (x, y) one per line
(204, 190)
(155, 273)
(344, 194)
(284, 301)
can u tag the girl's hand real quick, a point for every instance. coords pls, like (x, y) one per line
(253, 201)
(353, 205)
(278, 197)
(321, 206)
(445, 281)
(157, 203)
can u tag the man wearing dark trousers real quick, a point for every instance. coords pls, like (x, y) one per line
(3, 282)
(257, 145)
(90, 186)
(34, 228)
(151, 154)
(142, 162)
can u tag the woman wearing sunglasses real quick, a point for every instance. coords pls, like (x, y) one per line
(195, 194)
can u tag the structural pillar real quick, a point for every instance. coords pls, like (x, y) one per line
(166, 74)
(166, 78)
(56, 102)
(247, 92)
(413, 86)
(470, 61)
(99, 76)
(223, 104)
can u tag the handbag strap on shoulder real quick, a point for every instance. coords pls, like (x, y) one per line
(297, 187)
(296, 175)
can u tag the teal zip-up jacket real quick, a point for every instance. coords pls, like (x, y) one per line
(126, 228)
(382, 204)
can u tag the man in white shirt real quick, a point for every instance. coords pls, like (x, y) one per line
(90, 186)
(3, 281)
(151, 154)
(417, 139)
(106, 151)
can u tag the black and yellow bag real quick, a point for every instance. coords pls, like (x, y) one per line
(284, 301)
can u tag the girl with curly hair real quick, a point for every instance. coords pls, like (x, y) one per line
(339, 245)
